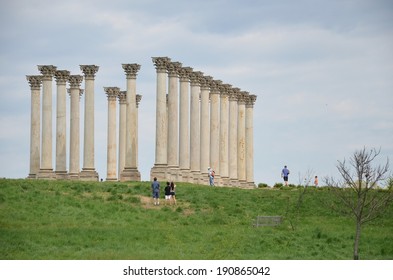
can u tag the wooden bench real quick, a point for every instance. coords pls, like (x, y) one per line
(267, 221)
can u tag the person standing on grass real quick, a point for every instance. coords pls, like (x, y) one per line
(155, 188)
(173, 192)
(167, 193)
(316, 181)
(211, 176)
(285, 174)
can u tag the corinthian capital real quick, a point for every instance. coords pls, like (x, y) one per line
(35, 81)
(75, 81)
(89, 70)
(62, 76)
(184, 73)
(250, 101)
(47, 71)
(160, 63)
(173, 68)
(131, 70)
(196, 77)
(122, 97)
(206, 81)
(215, 86)
(112, 92)
(242, 97)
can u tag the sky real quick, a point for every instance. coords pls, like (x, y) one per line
(322, 71)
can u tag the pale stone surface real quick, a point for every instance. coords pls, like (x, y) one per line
(233, 137)
(61, 77)
(250, 139)
(241, 138)
(46, 168)
(224, 127)
(173, 120)
(35, 86)
(161, 152)
(88, 171)
(112, 93)
(215, 134)
(205, 129)
(195, 128)
(130, 172)
(122, 130)
(75, 93)
(184, 134)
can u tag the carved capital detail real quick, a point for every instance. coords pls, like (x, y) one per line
(250, 101)
(35, 81)
(47, 71)
(215, 86)
(160, 63)
(112, 92)
(242, 97)
(122, 97)
(75, 81)
(206, 81)
(195, 78)
(184, 74)
(62, 76)
(131, 70)
(89, 70)
(173, 68)
(138, 100)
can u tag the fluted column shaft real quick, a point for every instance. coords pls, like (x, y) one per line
(215, 134)
(233, 112)
(88, 171)
(184, 134)
(61, 77)
(205, 129)
(75, 92)
(195, 147)
(250, 140)
(112, 93)
(173, 117)
(35, 86)
(46, 168)
(122, 130)
(138, 100)
(241, 139)
(224, 127)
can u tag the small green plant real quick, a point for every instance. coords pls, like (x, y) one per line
(263, 185)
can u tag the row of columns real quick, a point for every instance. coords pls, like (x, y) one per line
(125, 168)
(201, 123)
(41, 165)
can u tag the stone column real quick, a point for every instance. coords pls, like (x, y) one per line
(173, 121)
(61, 77)
(35, 87)
(195, 142)
(250, 140)
(215, 134)
(130, 172)
(88, 171)
(225, 90)
(160, 164)
(241, 138)
(205, 129)
(138, 100)
(46, 169)
(112, 93)
(122, 130)
(184, 134)
(233, 137)
(75, 93)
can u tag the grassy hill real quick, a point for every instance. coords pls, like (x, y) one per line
(102, 220)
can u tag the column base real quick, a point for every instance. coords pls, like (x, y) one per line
(217, 181)
(88, 174)
(204, 179)
(184, 175)
(173, 173)
(130, 174)
(234, 183)
(225, 181)
(244, 184)
(73, 176)
(61, 175)
(159, 171)
(111, 179)
(195, 177)
(46, 174)
(32, 176)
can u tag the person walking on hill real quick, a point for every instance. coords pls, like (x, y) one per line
(285, 174)
(167, 193)
(211, 176)
(155, 188)
(173, 192)
(316, 181)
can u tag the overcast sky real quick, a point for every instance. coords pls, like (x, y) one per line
(322, 71)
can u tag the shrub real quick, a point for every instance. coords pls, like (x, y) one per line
(278, 185)
(263, 185)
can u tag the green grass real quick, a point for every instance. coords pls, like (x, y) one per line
(85, 220)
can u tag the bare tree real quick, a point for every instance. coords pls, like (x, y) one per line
(357, 192)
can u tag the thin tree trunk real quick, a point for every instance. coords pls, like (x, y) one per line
(357, 239)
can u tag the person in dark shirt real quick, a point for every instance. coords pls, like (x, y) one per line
(284, 174)
(155, 188)
(167, 193)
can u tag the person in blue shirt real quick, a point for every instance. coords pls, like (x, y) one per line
(155, 188)
(284, 174)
